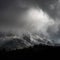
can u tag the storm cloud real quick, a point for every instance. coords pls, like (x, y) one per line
(34, 16)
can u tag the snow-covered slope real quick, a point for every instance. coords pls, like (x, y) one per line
(10, 41)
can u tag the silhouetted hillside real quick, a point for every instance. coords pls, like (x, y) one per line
(41, 50)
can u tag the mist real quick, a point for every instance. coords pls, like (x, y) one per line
(22, 16)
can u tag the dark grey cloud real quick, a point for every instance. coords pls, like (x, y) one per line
(33, 16)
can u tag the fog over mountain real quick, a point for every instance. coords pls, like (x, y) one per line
(36, 20)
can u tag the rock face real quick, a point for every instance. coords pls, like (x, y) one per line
(13, 42)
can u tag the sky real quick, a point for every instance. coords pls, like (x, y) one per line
(35, 16)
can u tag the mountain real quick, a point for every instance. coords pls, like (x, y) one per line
(11, 41)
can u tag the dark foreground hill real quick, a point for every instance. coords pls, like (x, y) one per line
(41, 50)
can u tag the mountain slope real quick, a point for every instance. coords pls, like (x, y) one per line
(13, 42)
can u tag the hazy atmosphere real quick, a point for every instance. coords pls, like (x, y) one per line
(39, 17)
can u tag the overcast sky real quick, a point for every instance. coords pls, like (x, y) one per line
(25, 15)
